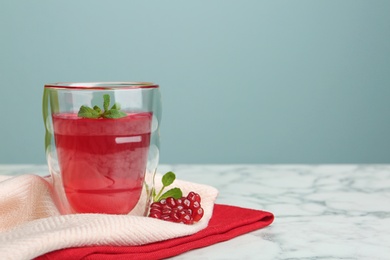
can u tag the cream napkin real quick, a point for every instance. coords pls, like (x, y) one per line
(31, 225)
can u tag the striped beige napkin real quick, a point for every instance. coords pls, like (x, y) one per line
(31, 225)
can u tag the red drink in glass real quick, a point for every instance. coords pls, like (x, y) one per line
(102, 161)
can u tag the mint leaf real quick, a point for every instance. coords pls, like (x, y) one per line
(97, 109)
(106, 102)
(113, 113)
(96, 112)
(176, 193)
(116, 106)
(88, 112)
(168, 178)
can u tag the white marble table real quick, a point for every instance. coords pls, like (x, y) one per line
(321, 211)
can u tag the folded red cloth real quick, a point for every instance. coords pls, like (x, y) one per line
(226, 222)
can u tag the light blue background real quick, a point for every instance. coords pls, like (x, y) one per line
(242, 81)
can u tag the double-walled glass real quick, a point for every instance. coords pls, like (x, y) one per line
(102, 145)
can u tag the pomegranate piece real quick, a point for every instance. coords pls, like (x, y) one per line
(187, 210)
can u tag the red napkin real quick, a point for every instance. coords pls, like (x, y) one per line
(226, 222)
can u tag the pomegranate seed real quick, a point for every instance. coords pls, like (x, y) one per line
(198, 214)
(175, 215)
(155, 211)
(166, 211)
(193, 196)
(154, 215)
(171, 202)
(165, 217)
(155, 205)
(197, 197)
(186, 203)
(195, 205)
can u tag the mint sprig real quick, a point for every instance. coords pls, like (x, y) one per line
(167, 179)
(97, 112)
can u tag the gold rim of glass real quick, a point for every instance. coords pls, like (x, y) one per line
(101, 85)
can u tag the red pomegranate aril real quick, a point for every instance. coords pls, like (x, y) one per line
(185, 218)
(166, 211)
(175, 215)
(155, 205)
(186, 212)
(195, 205)
(198, 214)
(186, 202)
(197, 197)
(165, 217)
(171, 202)
(155, 211)
(193, 196)
(155, 214)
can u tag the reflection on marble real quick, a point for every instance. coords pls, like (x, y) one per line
(321, 211)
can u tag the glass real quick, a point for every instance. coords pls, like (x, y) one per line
(101, 164)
